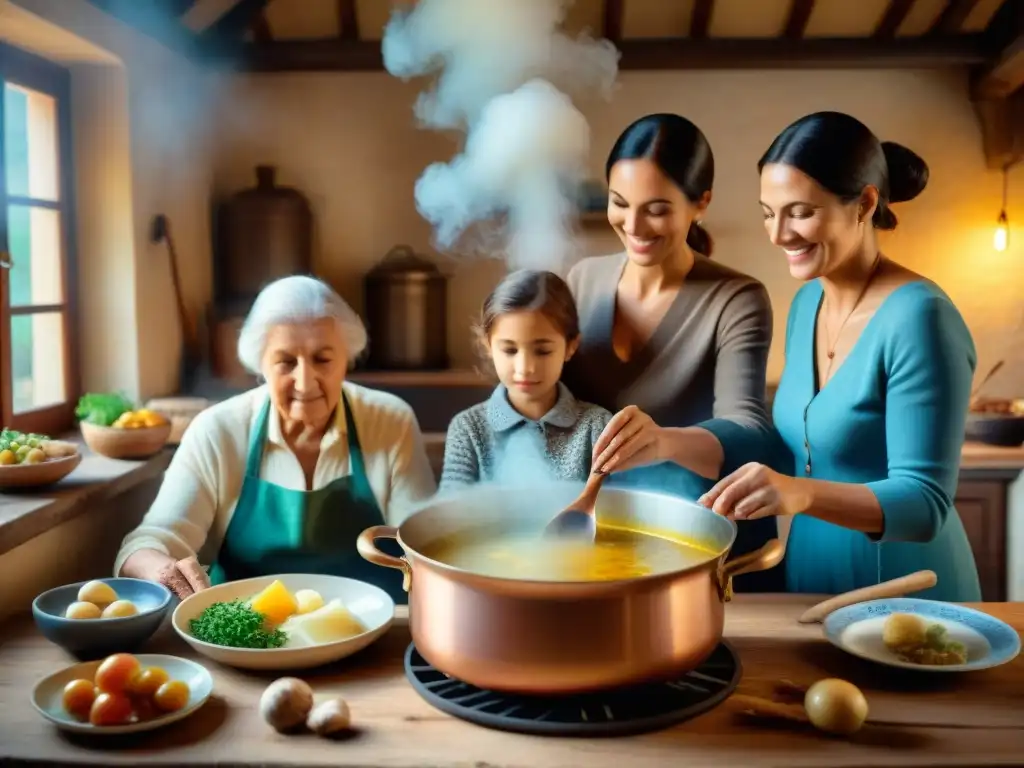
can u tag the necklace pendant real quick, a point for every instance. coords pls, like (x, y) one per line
(831, 354)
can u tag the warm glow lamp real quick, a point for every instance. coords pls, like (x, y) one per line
(1001, 238)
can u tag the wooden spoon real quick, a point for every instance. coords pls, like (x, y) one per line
(768, 709)
(912, 582)
(578, 521)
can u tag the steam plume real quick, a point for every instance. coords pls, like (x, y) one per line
(506, 77)
(522, 460)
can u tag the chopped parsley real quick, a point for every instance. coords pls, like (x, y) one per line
(235, 625)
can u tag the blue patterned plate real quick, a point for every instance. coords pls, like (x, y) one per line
(857, 629)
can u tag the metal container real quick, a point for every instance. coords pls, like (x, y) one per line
(406, 309)
(542, 637)
(264, 233)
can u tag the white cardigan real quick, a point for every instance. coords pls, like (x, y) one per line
(201, 487)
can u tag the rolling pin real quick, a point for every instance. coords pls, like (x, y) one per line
(913, 582)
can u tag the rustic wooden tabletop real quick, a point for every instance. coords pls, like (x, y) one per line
(397, 728)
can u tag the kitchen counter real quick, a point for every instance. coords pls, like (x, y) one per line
(396, 728)
(980, 456)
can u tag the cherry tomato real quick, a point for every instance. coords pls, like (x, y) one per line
(147, 681)
(171, 696)
(116, 672)
(78, 698)
(110, 709)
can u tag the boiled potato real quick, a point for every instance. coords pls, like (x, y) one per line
(308, 600)
(98, 592)
(119, 609)
(83, 610)
(904, 630)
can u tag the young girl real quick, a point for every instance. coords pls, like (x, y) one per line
(531, 427)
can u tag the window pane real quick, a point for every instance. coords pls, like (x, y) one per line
(34, 237)
(37, 347)
(30, 143)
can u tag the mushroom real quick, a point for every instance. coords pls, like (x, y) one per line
(329, 717)
(286, 703)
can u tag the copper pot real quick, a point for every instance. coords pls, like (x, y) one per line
(541, 637)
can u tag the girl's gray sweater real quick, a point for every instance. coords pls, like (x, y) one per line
(493, 442)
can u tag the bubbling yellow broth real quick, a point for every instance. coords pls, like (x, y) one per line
(617, 553)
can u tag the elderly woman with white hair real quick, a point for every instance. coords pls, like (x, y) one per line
(284, 477)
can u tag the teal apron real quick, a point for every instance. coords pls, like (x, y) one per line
(277, 530)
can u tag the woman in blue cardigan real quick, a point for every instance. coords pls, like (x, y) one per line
(869, 415)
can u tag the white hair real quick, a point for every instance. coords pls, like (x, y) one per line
(296, 299)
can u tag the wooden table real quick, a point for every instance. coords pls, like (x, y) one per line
(396, 728)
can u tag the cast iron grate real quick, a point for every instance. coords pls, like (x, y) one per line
(626, 711)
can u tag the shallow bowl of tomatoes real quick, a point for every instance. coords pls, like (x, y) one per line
(123, 693)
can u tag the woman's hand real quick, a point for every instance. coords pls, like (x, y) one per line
(631, 439)
(754, 491)
(153, 565)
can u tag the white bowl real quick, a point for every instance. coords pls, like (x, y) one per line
(47, 696)
(371, 605)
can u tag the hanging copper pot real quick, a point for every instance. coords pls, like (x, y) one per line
(406, 309)
(265, 233)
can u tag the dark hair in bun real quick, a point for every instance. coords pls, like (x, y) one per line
(843, 155)
(681, 151)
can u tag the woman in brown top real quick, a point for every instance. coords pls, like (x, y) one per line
(663, 327)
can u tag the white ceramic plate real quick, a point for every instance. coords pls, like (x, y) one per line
(857, 629)
(370, 604)
(48, 694)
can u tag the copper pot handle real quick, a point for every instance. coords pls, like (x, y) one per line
(768, 556)
(368, 550)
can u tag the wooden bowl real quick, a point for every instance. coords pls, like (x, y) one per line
(35, 475)
(125, 443)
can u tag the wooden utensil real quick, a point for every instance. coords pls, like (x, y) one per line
(988, 377)
(160, 232)
(791, 709)
(913, 582)
(578, 521)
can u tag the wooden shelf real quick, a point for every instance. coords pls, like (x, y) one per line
(456, 377)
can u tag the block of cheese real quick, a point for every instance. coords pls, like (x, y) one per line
(327, 624)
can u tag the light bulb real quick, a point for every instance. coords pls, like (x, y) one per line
(1001, 238)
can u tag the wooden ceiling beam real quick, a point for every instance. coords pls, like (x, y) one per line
(799, 15)
(997, 91)
(893, 17)
(164, 25)
(261, 31)
(232, 25)
(348, 20)
(1002, 130)
(700, 19)
(952, 17)
(663, 54)
(612, 22)
(1006, 75)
